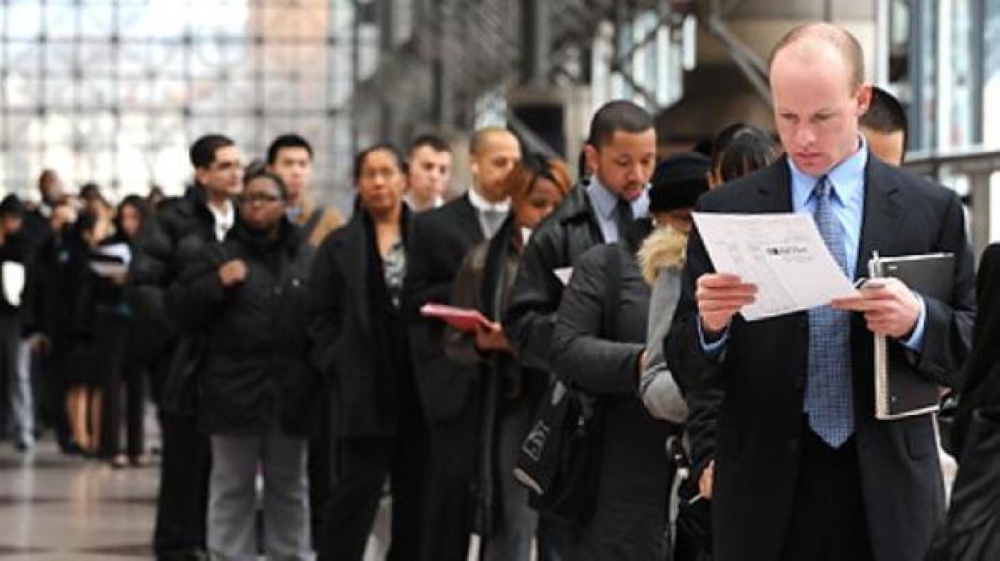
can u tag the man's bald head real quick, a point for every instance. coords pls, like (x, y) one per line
(481, 138)
(493, 152)
(804, 38)
(818, 95)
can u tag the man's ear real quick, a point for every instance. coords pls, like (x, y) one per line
(864, 98)
(592, 157)
(474, 166)
(199, 175)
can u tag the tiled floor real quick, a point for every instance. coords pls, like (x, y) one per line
(59, 508)
(55, 508)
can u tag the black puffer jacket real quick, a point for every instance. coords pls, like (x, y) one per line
(255, 371)
(168, 241)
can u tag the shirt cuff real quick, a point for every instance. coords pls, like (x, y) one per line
(714, 348)
(915, 342)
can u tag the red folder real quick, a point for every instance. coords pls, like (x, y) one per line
(462, 319)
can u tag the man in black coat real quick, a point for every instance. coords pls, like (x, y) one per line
(798, 476)
(439, 241)
(621, 154)
(177, 233)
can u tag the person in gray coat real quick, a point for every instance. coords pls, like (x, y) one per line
(677, 183)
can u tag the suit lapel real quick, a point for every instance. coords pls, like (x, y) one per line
(775, 188)
(468, 220)
(883, 214)
(352, 260)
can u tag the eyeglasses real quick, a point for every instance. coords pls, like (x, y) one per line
(258, 198)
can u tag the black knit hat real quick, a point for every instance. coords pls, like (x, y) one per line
(11, 205)
(678, 181)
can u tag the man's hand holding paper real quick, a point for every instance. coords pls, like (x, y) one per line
(889, 306)
(721, 296)
(781, 255)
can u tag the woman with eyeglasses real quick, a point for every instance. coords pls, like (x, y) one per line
(363, 352)
(247, 296)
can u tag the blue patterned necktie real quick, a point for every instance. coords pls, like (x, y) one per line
(829, 396)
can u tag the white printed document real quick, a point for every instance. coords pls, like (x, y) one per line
(783, 254)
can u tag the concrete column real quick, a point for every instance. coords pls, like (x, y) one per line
(536, 42)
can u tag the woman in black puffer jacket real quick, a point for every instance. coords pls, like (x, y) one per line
(247, 298)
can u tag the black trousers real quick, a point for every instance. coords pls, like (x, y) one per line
(112, 339)
(320, 473)
(362, 465)
(182, 505)
(448, 502)
(135, 408)
(828, 521)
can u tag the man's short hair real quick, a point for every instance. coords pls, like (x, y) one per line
(480, 135)
(845, 43)
(885, 114)
(47, 176)
(615, 116)
(290, 140)
(203, 150)
(432, 141)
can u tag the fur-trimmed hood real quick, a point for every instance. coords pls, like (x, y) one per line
(664, 248)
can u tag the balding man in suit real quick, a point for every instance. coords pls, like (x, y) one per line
(438, 243)
(803, 469)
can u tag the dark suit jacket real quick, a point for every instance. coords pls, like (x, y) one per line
(981, 387)
(763, 374)
(439, 241)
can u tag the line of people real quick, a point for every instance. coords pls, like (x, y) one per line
(69, 351)
(289, 350)
(275, 342)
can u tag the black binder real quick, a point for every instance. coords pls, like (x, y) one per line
(899, 390)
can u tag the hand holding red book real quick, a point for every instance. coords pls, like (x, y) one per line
(462, 319)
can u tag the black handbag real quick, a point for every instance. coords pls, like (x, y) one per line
(972, 528)
(560, 458)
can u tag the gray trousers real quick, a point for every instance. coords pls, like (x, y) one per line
(15, 355)
(233, 497)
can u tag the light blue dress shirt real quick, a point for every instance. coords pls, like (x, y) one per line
(605, 202)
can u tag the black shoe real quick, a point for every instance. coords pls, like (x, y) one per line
(71, 448)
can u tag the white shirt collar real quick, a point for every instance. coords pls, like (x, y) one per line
(437, 202)
(481, 204)
(224, 219)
